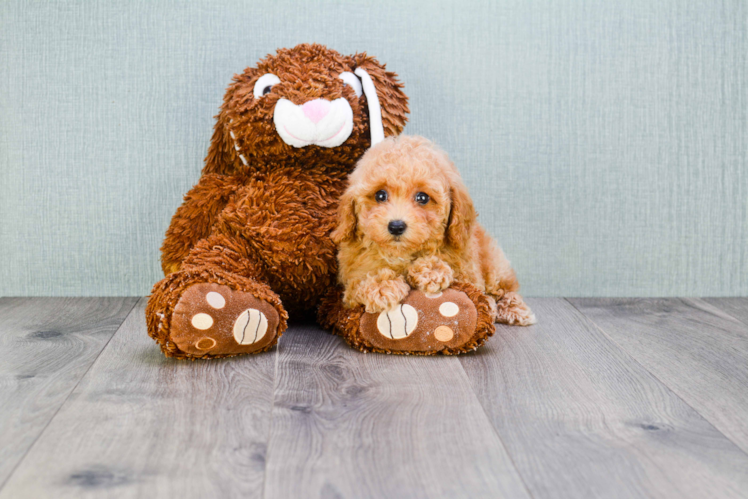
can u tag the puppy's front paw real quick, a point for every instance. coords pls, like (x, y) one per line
(377, 292)
(385, 295)
(430, 274)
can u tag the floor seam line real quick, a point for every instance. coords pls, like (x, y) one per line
(496, 432)
(675, 393)
(272, 419)
(57, 411)
(723, 311)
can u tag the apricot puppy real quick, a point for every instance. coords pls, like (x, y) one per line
(407, 221)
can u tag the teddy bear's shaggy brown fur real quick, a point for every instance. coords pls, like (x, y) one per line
(259, 219)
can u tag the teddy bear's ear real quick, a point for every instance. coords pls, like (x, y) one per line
(346, 230)
(223, 154)
(388, 104)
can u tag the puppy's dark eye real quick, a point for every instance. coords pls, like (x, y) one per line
(267, 90)
(381, 196)
(422, 198)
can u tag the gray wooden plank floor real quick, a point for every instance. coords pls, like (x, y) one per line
(142, 425)
(603, 397)
(581, 418)
(46, 346)
(737, 307)
(696, 349)
(366, 425)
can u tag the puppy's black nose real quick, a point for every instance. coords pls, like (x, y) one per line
(396, 227)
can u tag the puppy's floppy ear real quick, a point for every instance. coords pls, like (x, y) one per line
(346, 230)
(393, 102)
(462, 215)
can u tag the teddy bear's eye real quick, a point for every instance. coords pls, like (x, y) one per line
(422, 198)
(381, 196)
(352, 81)
(265, 84)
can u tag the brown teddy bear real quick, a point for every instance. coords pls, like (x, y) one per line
(251, 242)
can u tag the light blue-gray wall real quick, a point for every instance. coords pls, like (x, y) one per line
(604, 143)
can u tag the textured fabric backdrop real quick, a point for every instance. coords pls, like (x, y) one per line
(604, 143)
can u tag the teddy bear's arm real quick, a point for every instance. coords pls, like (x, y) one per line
(194, 219)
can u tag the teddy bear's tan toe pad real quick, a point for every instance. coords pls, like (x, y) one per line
(423, 323)
(212, 319)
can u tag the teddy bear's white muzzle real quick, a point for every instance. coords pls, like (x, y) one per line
(320, 122)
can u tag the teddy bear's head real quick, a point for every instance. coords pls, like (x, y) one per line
(309, 104)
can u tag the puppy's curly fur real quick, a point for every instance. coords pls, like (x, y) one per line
(442, 242)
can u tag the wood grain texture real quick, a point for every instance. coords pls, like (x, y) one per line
(696, 349)
(348, 424)
(46, 346)
(737, 307)
(559, 409)
(581, 418)
(142, 425)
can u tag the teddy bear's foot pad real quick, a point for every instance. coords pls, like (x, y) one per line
(212, 320)
(423, 324)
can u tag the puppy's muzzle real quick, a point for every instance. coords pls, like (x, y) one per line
(396, 227)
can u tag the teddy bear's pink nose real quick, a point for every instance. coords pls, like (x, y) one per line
(317, 109)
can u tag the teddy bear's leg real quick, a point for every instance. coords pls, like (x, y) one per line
(210, 308)
(457, 320)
